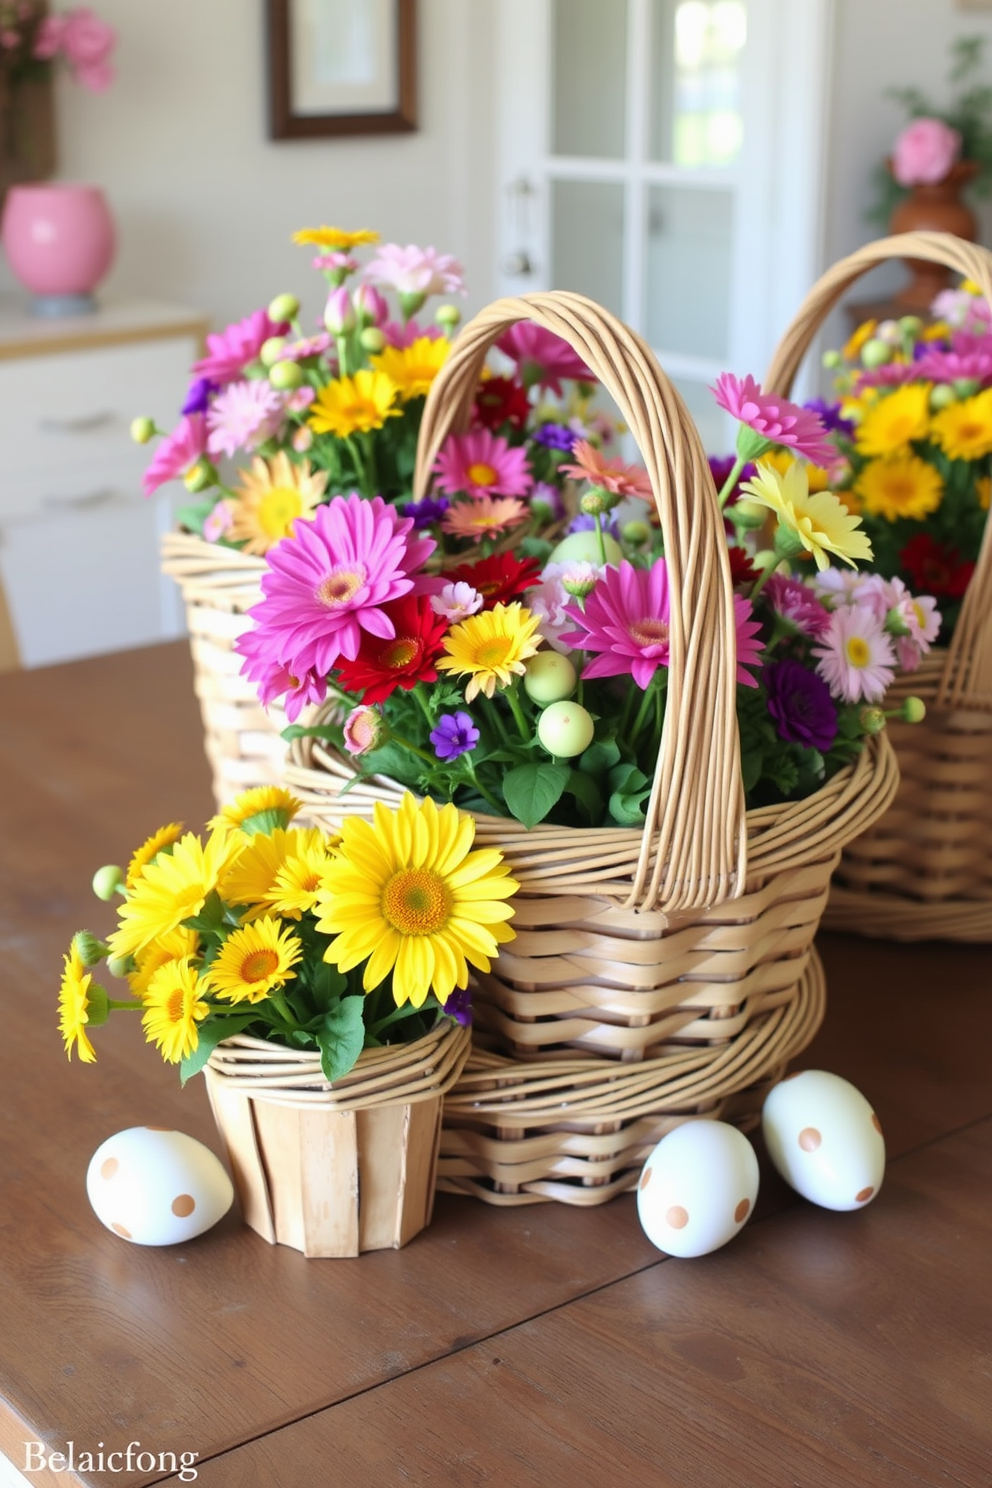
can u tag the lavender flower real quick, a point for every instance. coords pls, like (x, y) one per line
(555, 436)
(198, 396)
(426, 512)
(459, 1006)
(830, 416)
(455, 734)
(585, 523)
(801, 705)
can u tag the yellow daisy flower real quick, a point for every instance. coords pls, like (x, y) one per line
(335, 237)
(904, 486)
(172, 1010)
(854, 343)
(413, 368)
(172, 946)
(294, 889)
(74, 1007)
(816, 476)
(821, 523)
(983, 490)
(405, 894)
(171, 889)
(937, 330)
(259, 809)
(254, 961)
(491, 647)
(149, 850)
(351, 405)
(273, 494)
(252, 878)
(964, 430)
(895, 420)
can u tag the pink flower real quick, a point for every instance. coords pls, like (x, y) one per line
(415, 271)
(625, 621)
(951, 366)
(481, 463)
(243, 416)
(337, 262)
(542, 358)
(218, 522)
(892, 374)
(856, 660)
(925, 152)
(230, 351)
(48, 40)
(771, 420)
(610, 474)
(177, 453)
(456, 602)
(87, 43)
(402, 336)
(364, 730)
(965, 311)
(796, 602)
(274, 680)
(748, 648)
(878, 595)
(328, 582)
(339, 312)
(549, 601)
(371, 307)
(308, 346)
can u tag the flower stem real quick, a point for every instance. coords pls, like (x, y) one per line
(731, 481)
(413, 748)
(518, 712)
(495, 722)
(647, 703)
(599, 534)
(483, 791)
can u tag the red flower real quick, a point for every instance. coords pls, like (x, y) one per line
(742, 570)
(936, 568)
(408, 658)
(499, 401)
(498, 579)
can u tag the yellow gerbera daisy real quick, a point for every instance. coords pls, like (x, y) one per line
(351, 405)
(983, 490)
(821, 523)
(74, 1007)
(895, 420)
(413, 368)
(964, 430)
(937, 330)
(254, 961)
(335, 237)
(163, 838)
(816, 476)
(259, 809)
(172, 889)
(273, 494)
(405, 894)
(491, 647)
(295, 887)
(172, 1010)
(170, 947)
(252, 879)
(904, 486)
(855, 342)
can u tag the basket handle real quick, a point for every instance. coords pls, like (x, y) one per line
(694, 849)
(968, 668)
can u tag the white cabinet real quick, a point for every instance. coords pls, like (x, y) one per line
(78, 540)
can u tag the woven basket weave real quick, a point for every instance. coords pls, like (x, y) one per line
(685, 942)
(924, 871)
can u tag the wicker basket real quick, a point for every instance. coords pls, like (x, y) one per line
(674, 964)
(334, 1170)
(924, 871)
(241, 738)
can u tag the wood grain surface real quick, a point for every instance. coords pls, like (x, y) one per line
(816, 1349)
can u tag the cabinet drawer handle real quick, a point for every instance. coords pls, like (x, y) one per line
(82, 425)
(58, 502)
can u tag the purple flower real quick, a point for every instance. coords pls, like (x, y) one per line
(459, 1006)
(426, 512)
(555, 436)
(584, 523)
(546, 502)
(801, 705)
(198, 396)
(830, 416)
(455, 734)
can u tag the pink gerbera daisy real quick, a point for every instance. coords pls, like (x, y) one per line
(542, 358)
(796, 603)
(481, 463)
(274, 680)
(328, 582)
(483, 517)
(625, 621)
(401, 336)
(415, 271)
(178, 453)
(230, 351)
(856, 658)
(769, 419)
(748, 647)
(243, 416)
(610, 474)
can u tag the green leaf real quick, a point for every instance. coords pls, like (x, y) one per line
(586, 792)
(328, 731)
(193, 515)
(211, 916)
(531, 791)
(601, 755)
(627, 807)
(751, 769)
(209, 1035)
(626, 777)
(327, 986)
(341, 1037)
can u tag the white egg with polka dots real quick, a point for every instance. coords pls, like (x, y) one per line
(824, 1139)
(697, 1188)
(157, 1187)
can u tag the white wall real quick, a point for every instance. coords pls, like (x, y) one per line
(205, 203)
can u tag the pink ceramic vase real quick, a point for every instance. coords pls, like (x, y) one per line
(59, 240)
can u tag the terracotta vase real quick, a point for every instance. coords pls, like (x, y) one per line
(933, 208)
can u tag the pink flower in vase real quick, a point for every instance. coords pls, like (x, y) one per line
(87, 44)
(610, 474)
(415, 271)
(771, 419)
(925, 152)
(625, 623)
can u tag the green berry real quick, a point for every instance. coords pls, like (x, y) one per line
(271, 350)
(108, 881)
(285, 376)
(876, 352)
(284, 307)
(549, 677)
(914, 710)
(565, 729)
(142, 429)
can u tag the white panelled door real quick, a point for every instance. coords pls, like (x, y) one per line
(666, 157)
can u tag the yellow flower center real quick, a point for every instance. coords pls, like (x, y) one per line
(648, 632)
(858, 651)
(416, 901)
(310, 883)
(482, 521)
(278, 509)
(340, 585)
(492, 654)
(481, 474)
(399, 653)
(175, 1009)
(259, 964)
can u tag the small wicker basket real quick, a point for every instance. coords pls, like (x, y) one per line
(924, 871)
(673, 965)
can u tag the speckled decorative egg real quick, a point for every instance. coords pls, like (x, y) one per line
(824, 1139)
(157, 1187)
(697, 1188)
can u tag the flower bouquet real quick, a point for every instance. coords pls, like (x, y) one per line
(279, 419)
(307, 974)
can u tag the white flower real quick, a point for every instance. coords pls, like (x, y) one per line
(456, 602)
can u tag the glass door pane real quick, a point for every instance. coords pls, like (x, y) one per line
(588, 77)
(695, 104)
(587, 240)
(689, 247)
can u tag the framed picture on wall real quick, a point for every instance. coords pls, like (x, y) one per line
(341, 67)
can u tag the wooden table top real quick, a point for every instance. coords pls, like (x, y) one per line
(544, 1345)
